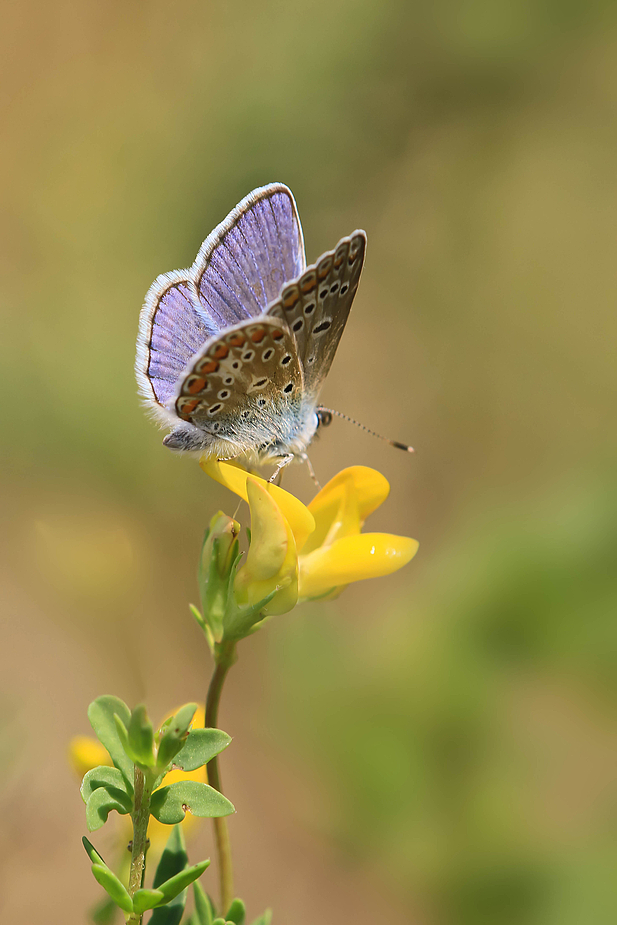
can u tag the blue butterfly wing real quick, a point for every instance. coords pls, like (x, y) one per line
(239, 270)
(243, 264)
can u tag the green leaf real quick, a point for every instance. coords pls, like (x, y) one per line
(101, 715)
(146, 899)
(175, 735)
(176, 884)
(200, 747)
(264, 919)
(237, 912)
(113, 886)
(101, 803)
(169, 804)
(104, 776)
(92, 853)
(204, 913)
(173, 859)
(141, 737)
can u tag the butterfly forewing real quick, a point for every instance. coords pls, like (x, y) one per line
(238, 374)
(242, 265)
(317, 304)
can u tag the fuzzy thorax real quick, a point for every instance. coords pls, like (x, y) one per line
(270, 433)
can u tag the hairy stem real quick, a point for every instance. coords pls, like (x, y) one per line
(225, 657)
(140, 817)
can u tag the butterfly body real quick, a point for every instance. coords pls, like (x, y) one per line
(232, 353)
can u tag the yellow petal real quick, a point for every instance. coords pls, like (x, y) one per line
(272, 561)
(342, 506)
(233, 477)
(268, 533)
(353, 558)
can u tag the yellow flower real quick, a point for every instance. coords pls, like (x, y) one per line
(314, 551)
(86, 752)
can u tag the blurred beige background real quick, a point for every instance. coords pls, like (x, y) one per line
(436, 747)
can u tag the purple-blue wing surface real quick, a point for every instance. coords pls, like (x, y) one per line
(244, 262)
(171, 330)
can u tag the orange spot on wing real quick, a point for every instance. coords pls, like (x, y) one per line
(258, 335)
(220, 351)
(309, 283)
(185, 408)
(207, 366)
(196, 385)
(291, 298)
(236, 340)
(277, 334)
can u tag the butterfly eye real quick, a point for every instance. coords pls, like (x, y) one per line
(324, 417)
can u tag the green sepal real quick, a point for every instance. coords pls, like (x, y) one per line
(147, 899)
(168, 803)
(236, 912)
(141, 737)
(101, 803)
(204, 911)
(242, 621)
(264, 919)
(104, 776)
(91, 851)
(181, 881)
(219, 921)
(110, 883)
(173, 861)
(101, 715)
(175, 736)
(198, 617)
(200, 747)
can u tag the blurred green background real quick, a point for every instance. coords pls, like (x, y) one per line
(436, 747)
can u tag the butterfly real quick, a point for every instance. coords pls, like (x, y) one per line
(233, 352)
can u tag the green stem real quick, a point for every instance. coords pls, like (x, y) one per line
(225, 656)
(140, 817)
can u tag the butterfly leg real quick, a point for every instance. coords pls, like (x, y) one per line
(305, 459)
(280, 466)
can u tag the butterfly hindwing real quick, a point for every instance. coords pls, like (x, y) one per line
(238, 375)
(317, 304)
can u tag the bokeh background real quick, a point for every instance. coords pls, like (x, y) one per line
(436, 747)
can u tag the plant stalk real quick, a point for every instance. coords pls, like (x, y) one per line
(140, 817)
(225, 657)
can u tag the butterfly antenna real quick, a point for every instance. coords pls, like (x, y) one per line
(339, 414)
